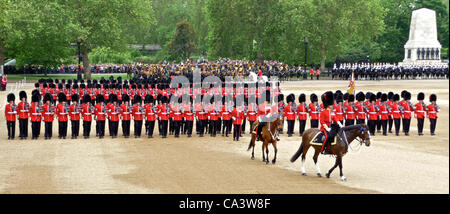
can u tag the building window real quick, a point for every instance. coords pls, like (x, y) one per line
(409, 53)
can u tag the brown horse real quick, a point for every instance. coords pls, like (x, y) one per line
(345, 136)
(269, 135)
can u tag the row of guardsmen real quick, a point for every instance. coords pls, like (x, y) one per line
(379, 111)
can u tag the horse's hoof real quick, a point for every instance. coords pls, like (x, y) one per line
(253, 158)
(304, 173)
(343, 178)
(273, 161)
(328, 175)
(319, 175)
(267, 162)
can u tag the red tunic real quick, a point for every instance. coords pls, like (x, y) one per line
(35, 113)
(74, 112)
(49, 112)
(150, 113)
(407, 109)
(361, 112)
(384, 112)
(373, 112)
(313, 111)
(419, 110)
(63, 112)
(23, 110)
(100, 112)
(432, 111)
(396, 113)
(349, 111)
(226, 114)
(251, 113)
(326, 117)
(289, 112)
(188, 114)
(113, 112)
(339, 111)
(87, 112)
(302, 112)
(125, 112)
(138, 112)
(10, 112)
(163, 113)
(238, 116)
(213, 114)
(177, 114)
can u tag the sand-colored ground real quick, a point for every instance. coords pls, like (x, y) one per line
(403, 164)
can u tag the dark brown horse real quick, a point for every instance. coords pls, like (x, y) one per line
(345, 136)
(269, 135)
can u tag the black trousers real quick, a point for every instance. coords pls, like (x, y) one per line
(314, 123)
(384, 126)
(23, 127)
(189, 125)
(236, 132)
(159, 127)
(110, 128)
(86, 128)
(62, 128)
(226, 125)
(420, 125)
(171, 127)
(150, 125)
(75, 127)
(48, 129)
(176, 127)
(302, 126)
(433, 125)
(201, 126)
(197, 126)
(243, 126)
(114, 128)
(213, 127)
(137, 128)
(349, 122)
(11, 126)
(35, 129)
(126, 128)
(397, 126)
(291, 125)
(101, 128)
(406, 123)
(219, 125)
(360, 121)
(378, 125)
(372, 126)
(164, 124)
(390, 122)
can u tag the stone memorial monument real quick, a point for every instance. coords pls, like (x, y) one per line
(423, 46)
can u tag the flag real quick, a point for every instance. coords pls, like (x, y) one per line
(351, 85)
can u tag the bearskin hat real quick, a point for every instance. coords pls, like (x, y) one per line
(99, 98)
(407, 96)
(75, 81)
(351, 98)
(360, 96)
(11, 97)
(290, 98)
(302, 98)
(372, 97)
(69, 82)
(63, 81)
(36, 85)
(60, 85)
(113, 98)
(339, 98)
(281, 98)
(105, 86)
(369, 94)
(67, 86)
(384, 97)
(379, 94)
(148, 98)
(433, 97)
(327, 99)
(82, 86)
(163, 99)
(75, 97)
(62, 97)
(22, 94)
(35, 97)
(390, 95)
(313, 98)
(421, 96)
(86, 98)
(396, 97)
(402, 94)
(56, 81)
(346, 96)
(125, 98)
(47, 97)
(137, 99)
(75, 86)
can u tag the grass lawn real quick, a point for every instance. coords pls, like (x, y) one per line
(16, 77)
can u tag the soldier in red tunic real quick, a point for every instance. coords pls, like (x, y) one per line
(396, 110)
(432, 110)
(10, 114)
(407, 109)
(251, 112)
(189, 117)
(125, 114)
(384, 113)
(350, 110)
(339, 108)
(163, 114)
(302, 112)
(360, 108)
(314, 111)
(237, 116)
(390, 101)
(23, 112)
(49, 111)
(329, 125)
(373, 111)
(289, 113)
(62, 112)
(138, 115)
(113, 115)
(419, 112)
(150, 115)
(35, 114)
(74, 112)
(100, 115)
(87, 112)
(226, 115)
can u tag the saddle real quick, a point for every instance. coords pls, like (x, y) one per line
(318, 139)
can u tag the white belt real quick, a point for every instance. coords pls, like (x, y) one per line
(114, 113)
(431, 112)
(138, 113)
(420, 111)
(339, 113)
(177, 113)
(290, 113)
(189, 114)
(62, 113)
(314, 112)
(384, 112)
(163, 113)
(48, 113)
(151, 113)
(372, 112)
(407, 111)
(350, 112)
(396, 111)
(87, 113)
(361, 112)
(101, 113)
(23, 110)
(126, 113)
(12, 112)
(36, 113)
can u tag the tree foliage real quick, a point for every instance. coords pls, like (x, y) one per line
(184, 42)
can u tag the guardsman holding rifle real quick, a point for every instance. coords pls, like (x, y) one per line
(35, 114)
(11, 114)
(49, 111)
(74, 112)
(23, 112)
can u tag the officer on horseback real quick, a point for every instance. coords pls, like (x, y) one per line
(329, 123)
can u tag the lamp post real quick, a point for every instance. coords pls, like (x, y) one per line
(306, 51)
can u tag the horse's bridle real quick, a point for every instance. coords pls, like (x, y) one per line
(359, 138)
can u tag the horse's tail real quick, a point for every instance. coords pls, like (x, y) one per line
(251, 143)
(298, 153)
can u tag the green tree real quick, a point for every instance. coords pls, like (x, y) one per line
(184, 42)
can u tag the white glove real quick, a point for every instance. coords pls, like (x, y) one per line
(328, 129)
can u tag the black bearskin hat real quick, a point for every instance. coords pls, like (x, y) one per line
(313, 98)
(22, 94)
(47, 97)
(379, 95)
(35, 97)
(62, 97)
(396, 97)
(137, 99)
(433, 97)
(384, 97)
(290, 98)
(302, 98)
(402, 95)
(369, 94)
(36, 85)
(99, 98)
(390, 95)
(86, 98)
(372, 97)
(360, 96)
(163, 99)
(346, 96)
(11, 97)
(339, 98)
(407, 96)
(148, 98)
(421, 96)
(351, 98)
(125, 98)
(113, 98)
(281, 98)
(327, 99)
(75, 97)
